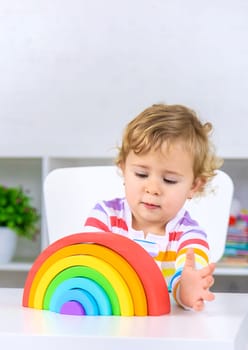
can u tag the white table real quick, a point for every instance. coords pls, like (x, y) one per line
(223, 325)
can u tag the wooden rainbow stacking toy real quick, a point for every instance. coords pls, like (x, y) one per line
(96, 274)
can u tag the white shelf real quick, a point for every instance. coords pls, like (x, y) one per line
(31, 171)
(231, 271)
(15, 266)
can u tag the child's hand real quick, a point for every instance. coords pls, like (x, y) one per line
(195, 284)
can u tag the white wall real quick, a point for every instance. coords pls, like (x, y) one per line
(73, 72)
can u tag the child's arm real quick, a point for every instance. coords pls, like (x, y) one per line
(194, 284)
(98, 220)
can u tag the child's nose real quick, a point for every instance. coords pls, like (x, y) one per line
(152, 187)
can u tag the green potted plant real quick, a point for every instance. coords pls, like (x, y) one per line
(17, 213)
(18, 216)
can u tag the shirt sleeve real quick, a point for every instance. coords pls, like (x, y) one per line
(98, 220)
(196, 238)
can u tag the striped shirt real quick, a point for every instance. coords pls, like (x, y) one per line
(168, 250)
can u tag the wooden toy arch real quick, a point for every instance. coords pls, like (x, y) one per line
(121, 273)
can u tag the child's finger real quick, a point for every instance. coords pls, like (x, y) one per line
(190, 258)
(199, 305)
(208, 270)
(208, 282)
(208, 296)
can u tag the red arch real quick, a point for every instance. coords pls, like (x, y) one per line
(155, 287)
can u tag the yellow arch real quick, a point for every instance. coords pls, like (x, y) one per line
(118, 283)
(117, 261)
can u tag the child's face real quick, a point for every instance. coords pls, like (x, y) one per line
(157, 185)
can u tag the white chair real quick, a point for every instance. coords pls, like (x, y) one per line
(70, 194)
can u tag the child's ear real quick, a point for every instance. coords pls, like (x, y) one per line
(121, 166)
(197, 185)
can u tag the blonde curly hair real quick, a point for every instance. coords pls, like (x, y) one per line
(170, 123)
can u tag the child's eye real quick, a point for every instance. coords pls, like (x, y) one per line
(170, 181)
(142, 175)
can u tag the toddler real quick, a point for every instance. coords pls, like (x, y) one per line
(166, 157)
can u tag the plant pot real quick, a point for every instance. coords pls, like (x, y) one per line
(8, 242)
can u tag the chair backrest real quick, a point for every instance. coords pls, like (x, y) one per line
(70, 194)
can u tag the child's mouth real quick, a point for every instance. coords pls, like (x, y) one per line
(151, 206)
